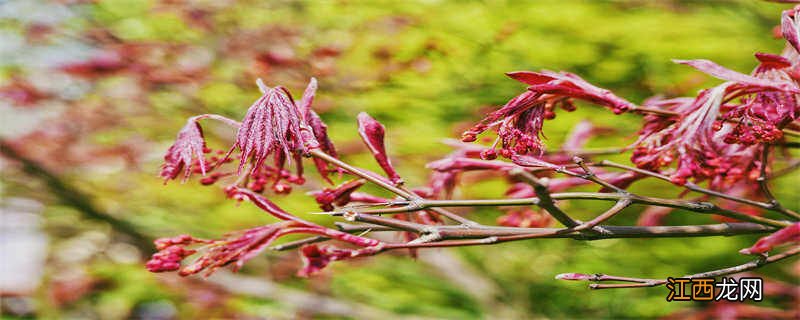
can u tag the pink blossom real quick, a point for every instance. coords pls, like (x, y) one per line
(740, 80)
(235, 248)
(570, 85)
(372, 132)
(277, 127)
(760, 117)
(338, 196)
(168, 259)
(315, 257)
(773, 104)
(785, 235)
(181, 240)
(694, 142)
(701, 146)
(519, 122)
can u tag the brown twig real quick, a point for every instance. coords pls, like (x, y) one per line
(385, 185)
(545, 201)
(637, 282)
(693, 187)
(763, 184)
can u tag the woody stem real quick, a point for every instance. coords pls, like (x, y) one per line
(386, 185)
(701, 207)
(696, 188)
(709, 274)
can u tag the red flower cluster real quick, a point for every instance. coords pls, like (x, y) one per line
(694, 142)
(316, 258)
(339, 196)
(236, 248)
(519, 122)
(716, 136)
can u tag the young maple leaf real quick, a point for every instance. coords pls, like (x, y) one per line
(372, 132)
(188, 145)
(785, 235)
(189, 148)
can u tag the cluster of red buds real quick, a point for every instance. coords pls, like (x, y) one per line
(519, 122)
(238, 247)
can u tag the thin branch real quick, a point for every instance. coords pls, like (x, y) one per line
(358, 172)
(610, 232)
(791, 167)
(693, 187)
(701, 207)
(619, 206)
(593, 177)
(545, 201)
(763, 184)
(590, 152)
(385, 185)
(709, 274)
(299, 243)
(667, 113)
(790, 132)
(460, 232)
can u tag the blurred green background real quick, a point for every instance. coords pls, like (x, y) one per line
(426, 69)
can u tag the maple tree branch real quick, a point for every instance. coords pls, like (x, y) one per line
(693, 187)
(763, 183)
(545, 201)
(385, 185)
(638, 282)
(694, 206)
(667, 113)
